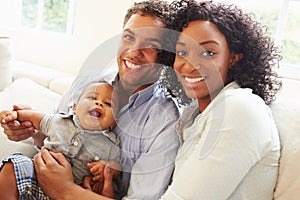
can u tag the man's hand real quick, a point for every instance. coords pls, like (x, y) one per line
(16, 130)
(103, 174)
(95, 186)
(54, 174)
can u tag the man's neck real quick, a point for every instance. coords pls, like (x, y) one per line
(126, 92)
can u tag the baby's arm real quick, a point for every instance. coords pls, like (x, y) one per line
(25, 115)
(35, 118)
(30, 115)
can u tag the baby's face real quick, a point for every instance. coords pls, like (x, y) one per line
(95, 108)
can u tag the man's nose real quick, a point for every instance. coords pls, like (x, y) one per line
(136, 51)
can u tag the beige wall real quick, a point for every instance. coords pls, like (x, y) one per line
(95, 22)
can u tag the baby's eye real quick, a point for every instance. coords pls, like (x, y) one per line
(181, 53)
(91, 98)
(108, 104)
(208, 53)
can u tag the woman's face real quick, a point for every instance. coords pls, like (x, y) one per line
(202, 61)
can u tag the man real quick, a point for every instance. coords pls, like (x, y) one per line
(146, 121)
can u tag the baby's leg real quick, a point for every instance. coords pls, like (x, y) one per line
(8, 185)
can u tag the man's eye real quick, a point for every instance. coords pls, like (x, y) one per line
(151, 46)
(181, 53)
(128, 37)
(208, 53)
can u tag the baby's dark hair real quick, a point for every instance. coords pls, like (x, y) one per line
(243, 34)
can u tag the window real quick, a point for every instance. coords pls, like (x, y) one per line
(48, 15)
(282, 17)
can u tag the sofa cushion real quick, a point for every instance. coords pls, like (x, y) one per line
(25, 91)
(286, 113)
(40, 74)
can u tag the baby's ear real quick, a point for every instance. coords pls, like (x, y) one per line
(74, 107)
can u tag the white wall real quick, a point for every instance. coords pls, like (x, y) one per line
(95, 22)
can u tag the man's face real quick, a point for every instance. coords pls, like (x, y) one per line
(138, 50)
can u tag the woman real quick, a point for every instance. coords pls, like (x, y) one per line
(231, 145)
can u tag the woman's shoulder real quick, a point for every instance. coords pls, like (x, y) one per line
(236, 96)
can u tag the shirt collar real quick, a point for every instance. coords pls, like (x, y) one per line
(142, 96)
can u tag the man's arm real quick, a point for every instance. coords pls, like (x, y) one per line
(54, 174)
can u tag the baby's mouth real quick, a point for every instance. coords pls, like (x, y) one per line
(95, 113)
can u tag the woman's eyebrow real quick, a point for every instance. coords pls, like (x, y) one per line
(200, 43)
(208, 42)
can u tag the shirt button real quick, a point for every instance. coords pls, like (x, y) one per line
(96, 158)
(75, 143)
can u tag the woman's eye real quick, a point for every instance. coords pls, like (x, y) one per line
(208, 53)
(181, 53)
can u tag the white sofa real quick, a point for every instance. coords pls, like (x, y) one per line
(33, 85)
(42, 88)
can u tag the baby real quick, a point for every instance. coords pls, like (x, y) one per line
(84, 137)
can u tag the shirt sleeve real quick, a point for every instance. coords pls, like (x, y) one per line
(236, 135)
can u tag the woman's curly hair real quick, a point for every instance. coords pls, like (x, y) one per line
(243, 34)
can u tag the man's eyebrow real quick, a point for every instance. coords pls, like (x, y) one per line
(153, 40)
(128, 30)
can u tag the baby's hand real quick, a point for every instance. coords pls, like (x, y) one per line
(96, 169)
(8, 116)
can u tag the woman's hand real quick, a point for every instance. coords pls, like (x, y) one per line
(16, 130)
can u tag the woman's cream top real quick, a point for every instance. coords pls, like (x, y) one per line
(230, 151)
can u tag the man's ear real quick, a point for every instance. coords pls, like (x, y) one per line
(74, 107)
(235, 57)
